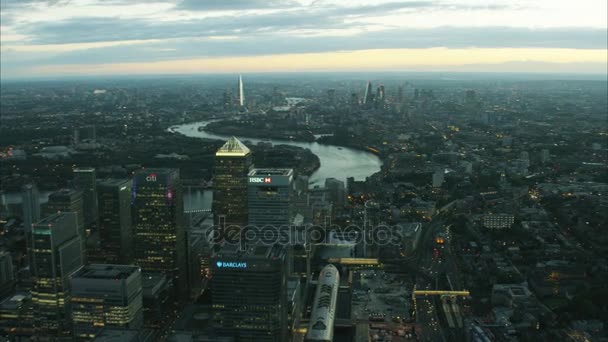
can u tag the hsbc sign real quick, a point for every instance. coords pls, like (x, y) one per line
(260, 180)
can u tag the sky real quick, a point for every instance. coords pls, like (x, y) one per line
(56, 38)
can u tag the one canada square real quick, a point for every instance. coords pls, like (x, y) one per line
(232, 163)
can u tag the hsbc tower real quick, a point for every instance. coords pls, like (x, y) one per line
(270, 197)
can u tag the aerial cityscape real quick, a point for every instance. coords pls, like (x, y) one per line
(302, 193)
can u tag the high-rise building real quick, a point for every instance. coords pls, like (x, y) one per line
(85, 180)
(106, 296)
(544, 156)
(158, 225)
(331, 96)
(7, 276)
(58, 252)
(354, 100)
(232, 164)
(380, 93)
(368, 99)
(270, 197)
(248, 293)
(241, 92)
(31, 213)
(115, 228)
(438, 178)
(16, 316)
(68, 200)
(336, 191)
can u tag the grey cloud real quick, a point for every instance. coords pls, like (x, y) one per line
(214, 5)
(252, 45)
(82, 30)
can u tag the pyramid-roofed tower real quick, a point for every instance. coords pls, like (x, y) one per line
(233, 148)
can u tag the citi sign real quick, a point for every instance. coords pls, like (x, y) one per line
(151, 177)
(231, 264)
(260, 180)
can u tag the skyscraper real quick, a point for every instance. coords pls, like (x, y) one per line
(31, 213)
(270, 197)
(368, 99)
(232, 164)
(115, 228)
(241, 92)
(57, 253)
(68, 200)
(106, 296)
(248, 293)
(85, 180)
(7, 276)
(158, 218)
(336, 191)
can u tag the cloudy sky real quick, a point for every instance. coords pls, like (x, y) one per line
(103, 37)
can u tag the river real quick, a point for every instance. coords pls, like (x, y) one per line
(337, 162)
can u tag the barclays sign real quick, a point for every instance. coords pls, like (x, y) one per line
(231, 264)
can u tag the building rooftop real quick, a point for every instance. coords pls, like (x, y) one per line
(233, 148)
(52, 219)
(63, 193)
(104, 271)
(84, 169)
(112, 182)
(259, 251)
(271, 172)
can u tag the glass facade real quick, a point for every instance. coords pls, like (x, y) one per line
(85, 179)
(270, 197)
(57, 252)
(158, 225)
(106, 296)
(115, 229)
(232, 163)
(248, 294)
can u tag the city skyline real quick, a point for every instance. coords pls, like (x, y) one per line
(67, 38)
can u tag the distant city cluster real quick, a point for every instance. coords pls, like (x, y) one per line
(305, 208)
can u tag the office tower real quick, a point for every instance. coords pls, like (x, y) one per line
(227, 100)
(57, 253)
(270, 197)
(16, 316)
(195, 254)
(156, 299)
(400, 94)
(7, 276)
(106, 296)
(248, 293)
(76, 136)
(380, 93)
(336, 191)
(115, 229)
(158, 219)
(241, 92)
(438, 178)
(354, 100)
(85, 180)
(31, 213)
(68, 200)
(331, 96)
(544, 156)
(368, 99)
(232, 164)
